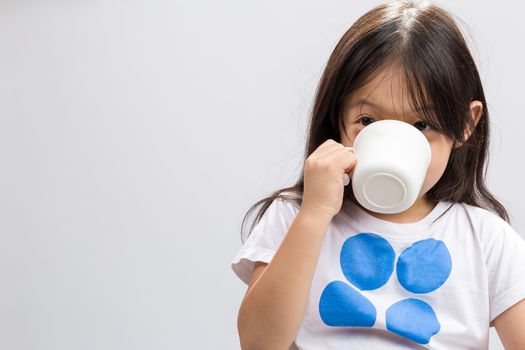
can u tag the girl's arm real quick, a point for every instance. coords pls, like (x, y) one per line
(272, 309)
(510, 326)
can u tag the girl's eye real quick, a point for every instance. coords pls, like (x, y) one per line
(422, 126)
(366, 120)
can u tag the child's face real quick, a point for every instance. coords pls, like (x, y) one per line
(386, 98)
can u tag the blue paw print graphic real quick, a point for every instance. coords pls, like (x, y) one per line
(367, 261)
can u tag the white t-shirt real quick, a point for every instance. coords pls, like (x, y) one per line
(384, 285)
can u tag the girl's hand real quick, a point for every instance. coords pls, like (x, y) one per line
(323, 178)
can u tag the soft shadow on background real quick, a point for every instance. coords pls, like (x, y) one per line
(134, 135)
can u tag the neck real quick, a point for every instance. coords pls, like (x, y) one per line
(416, 212)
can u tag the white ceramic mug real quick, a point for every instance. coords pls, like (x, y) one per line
(392, 158)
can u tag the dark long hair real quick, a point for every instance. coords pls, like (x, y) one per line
(441, 77)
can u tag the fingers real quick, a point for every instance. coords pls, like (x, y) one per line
(327, 147)
(341, 157)
(335, 154)
(328, 144)
(346, 179)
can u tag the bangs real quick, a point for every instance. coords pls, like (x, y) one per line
(424, 97)
(422, 102)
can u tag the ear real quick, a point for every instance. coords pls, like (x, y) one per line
(476, 111)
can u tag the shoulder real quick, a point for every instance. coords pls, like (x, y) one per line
(286, 201)
(281, 209)
(487, 225)
(480, 218)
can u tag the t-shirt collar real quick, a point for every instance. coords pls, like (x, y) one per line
(352, 212)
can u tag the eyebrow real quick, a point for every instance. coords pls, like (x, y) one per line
(362, 101)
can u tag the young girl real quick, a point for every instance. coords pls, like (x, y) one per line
(326, 273)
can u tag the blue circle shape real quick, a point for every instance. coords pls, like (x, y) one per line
(424, 266)
(413, 319)
(342, 306)
(367, 260)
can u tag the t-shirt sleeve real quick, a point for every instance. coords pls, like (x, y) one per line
(505, 259)
(265, 238)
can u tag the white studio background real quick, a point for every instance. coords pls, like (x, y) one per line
(134, 135)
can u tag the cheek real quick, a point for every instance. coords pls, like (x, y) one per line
(438, 164)
(351, 133)
(348, 136)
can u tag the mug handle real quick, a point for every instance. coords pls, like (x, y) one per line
(346, 177)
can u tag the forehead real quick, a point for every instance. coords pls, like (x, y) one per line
(386, 91)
